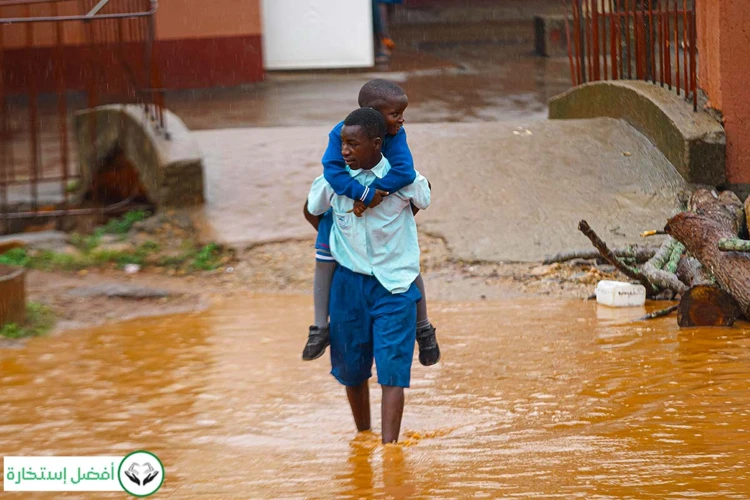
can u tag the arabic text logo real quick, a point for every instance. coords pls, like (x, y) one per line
(141, 473)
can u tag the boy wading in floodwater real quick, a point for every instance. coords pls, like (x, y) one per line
(391, 101)
(373, 302)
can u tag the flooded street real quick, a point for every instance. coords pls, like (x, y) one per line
(546, 399)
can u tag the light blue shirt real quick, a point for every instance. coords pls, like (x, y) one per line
(383, 242)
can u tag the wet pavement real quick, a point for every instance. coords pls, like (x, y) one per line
(542, 399)
(482, 71)
(514, 190)
(506, 178)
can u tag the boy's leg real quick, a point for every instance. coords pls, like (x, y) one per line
(351, 342)
(422, 319)
(318, 336)
(322, 290)
(384, 21)
(359, 401)
(394, 332)
(391, 412)
(429, 350)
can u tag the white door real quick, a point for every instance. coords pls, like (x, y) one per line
(306, 34)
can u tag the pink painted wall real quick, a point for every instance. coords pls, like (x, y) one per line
(200, 43)
(709, 70)
(175, 20)
(178, 19)
(724, 48)
(735, 87)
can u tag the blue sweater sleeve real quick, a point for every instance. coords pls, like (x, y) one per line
(334, 170)
(402, 172)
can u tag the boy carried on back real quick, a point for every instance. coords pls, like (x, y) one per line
(390, 101)
(373, 299)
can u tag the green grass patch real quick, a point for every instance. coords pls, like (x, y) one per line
(15, 257)
(120, 227)
(123, 224)
(207, 258)
(52, 261)
(45, 260)
(91, 253)
(39, 320)
(86, 243)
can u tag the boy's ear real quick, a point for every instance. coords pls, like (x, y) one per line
(378, 142)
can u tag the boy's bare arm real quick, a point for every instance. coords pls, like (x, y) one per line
(314, 220)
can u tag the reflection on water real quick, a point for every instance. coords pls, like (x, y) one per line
(548, 399)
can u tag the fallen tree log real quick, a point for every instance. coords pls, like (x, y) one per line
(706, 305)
(715, 217)
(639, 254)
(654, 272)
(692, 272)
(734, 245)
(675, 258)
(724, 207)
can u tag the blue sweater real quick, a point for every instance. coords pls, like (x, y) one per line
(395, 149)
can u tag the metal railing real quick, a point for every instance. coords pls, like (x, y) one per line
(649, 40)
(58, 56)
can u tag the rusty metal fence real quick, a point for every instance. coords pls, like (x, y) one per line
(56, 57)
(649, 40)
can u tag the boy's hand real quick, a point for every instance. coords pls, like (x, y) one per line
(378, 198)
(359, 208)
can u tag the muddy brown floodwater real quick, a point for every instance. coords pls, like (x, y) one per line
(533, 398)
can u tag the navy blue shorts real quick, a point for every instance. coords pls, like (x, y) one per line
(323, 242)
(369, 322)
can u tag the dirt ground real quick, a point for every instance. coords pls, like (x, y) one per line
(288, 268)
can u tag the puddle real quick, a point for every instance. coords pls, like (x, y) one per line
(533, 398)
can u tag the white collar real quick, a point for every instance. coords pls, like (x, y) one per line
(378, 170)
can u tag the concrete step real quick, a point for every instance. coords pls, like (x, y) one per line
(459, 12)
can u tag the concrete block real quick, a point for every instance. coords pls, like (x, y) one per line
(694, 142)
(170, 169)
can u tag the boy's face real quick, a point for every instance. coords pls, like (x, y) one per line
(358, 150)
(393, 112)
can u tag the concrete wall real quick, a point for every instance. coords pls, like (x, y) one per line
(724, 73)
(199, 43)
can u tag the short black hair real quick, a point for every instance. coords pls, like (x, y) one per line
(377, 92)
(371, 121)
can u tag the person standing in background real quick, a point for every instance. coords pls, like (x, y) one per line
(382, 14)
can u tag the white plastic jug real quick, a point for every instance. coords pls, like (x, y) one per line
(620, 294)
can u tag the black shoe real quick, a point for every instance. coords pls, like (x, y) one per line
(317, 341)
(429, 351)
